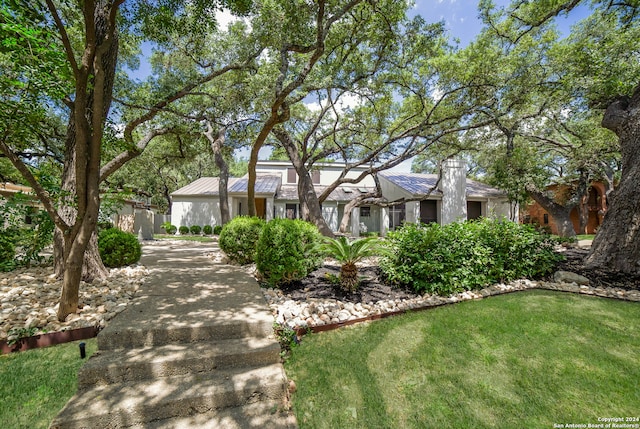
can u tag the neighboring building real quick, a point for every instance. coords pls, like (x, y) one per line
(592, 209)
(277, 196)
(10, 190)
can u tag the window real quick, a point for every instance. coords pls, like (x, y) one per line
(429, 211)
(396, 216)
(291, 211)
(291, 175)
(546, 218)
(365, 211)
(474, 210)
(315, 177)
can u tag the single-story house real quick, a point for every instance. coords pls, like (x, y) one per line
(454, 198)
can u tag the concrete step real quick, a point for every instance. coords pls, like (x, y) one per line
(142, 335)
(120, 366)
(259, 415)
(137, 403)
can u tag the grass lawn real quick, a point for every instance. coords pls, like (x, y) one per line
(524, 360)
(586, 237)
(35, 384)
(200, 238)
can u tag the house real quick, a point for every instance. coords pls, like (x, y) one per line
(592, 208)
(455, 198)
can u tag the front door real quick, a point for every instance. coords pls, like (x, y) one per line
(261, 208)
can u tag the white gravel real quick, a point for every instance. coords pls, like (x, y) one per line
(29, 300)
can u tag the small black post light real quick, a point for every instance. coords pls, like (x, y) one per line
(83, 352)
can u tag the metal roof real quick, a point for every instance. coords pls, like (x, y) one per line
(420, 184)
(265, 184)
(202, 186)
(415, 184)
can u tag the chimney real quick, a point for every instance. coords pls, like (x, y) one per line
(454, 190)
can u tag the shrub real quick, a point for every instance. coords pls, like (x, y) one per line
(207, 229)
(464, 256)
(183, 230)
(7, 253)
(288, 250)
(118, 248)
(217, 229)
(195, 229)
(168, 228)
(239, 237)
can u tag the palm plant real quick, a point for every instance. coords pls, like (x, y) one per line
(348, 254)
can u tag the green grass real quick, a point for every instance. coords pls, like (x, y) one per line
(200, 238)
(525, 360)
(586, 236)
(35, 384)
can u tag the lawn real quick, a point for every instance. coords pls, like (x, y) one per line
(37, 383)
(199, 238)
(528, 360)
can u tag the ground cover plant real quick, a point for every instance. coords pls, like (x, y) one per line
(446, 259)
(198, 238)
(37, 383)
(530, 359)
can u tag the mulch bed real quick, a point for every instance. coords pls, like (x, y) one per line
(318, 285)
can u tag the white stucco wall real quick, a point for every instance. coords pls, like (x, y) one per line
(502, 208)
(188, 211)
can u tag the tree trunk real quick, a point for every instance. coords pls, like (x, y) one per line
(616, 246)
(217, 142)
(560, 213)
(94, 78)
(92, 266)
(309, 204)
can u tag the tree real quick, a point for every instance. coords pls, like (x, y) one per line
(91, 61)
(602, 63)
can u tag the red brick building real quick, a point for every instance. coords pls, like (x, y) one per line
(591, 209)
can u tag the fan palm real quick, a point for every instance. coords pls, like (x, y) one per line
(348, 254)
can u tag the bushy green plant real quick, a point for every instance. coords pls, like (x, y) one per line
(7, 253)
(239, 237)
(464, 256)
(195, 229)
(288, 250)
(207, 229)
(348, 254)
(168, 228)
(118, 248)
(217, 229)
(183, 230)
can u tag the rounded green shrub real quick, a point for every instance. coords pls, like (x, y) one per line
(464, 256)
(195, 229)
(217, 229)
(183, 230)
(118, 248)
(288, 250)
(207, 230)
(239, 237)
(168, 228)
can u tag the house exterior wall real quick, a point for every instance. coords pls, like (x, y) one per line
(188, 211)
(329, 172)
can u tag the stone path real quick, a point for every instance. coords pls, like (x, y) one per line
(194, 349)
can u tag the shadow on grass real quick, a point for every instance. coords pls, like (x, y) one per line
(529, 359)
